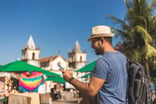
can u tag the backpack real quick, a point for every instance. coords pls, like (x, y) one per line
(139, 88)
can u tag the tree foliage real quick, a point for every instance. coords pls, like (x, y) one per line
(138, 31)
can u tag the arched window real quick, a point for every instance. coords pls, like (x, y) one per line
(72, 58)
(33, 56)
(80, 58)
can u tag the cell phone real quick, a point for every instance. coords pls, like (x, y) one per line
(61, 67)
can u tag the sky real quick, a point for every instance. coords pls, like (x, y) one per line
(55, 25)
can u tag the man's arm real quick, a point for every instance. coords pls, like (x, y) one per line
(90, 89)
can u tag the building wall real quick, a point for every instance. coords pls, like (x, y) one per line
(76, 60)
(45, 65)
(54, 63)
(80, 57)
(31, 56)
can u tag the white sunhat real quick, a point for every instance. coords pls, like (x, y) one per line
(101, 31)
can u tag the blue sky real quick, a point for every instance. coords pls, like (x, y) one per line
(54, 24)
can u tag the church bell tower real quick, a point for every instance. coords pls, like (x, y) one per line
(77, 58)
(30, 53)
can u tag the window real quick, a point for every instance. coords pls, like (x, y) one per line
(80, 58)
(33, 56)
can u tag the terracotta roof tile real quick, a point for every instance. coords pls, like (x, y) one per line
(46, 59)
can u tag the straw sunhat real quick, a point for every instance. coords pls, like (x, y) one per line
(100, 31)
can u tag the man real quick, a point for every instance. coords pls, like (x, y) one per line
(109, 78)
(28, 73)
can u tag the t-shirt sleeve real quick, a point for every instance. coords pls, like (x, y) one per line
(100, 69)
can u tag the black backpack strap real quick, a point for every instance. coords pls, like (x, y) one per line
(132, 72)
(127, 65)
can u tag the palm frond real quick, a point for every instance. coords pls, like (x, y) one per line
(144, 34)
(152, 5)
(138, 29)
(118, 21)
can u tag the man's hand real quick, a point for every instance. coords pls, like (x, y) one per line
(66, 75)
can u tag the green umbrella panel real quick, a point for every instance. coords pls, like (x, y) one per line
(87, 68)
(21, 66)
(56, 79)
(87, 75)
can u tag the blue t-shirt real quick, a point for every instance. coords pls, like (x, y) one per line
(112, 68)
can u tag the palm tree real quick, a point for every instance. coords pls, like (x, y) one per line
(138, 31)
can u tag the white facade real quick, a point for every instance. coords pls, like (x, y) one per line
(59, 60)
(76, 60)
(81, 59)
(30, 53)
(51, 63)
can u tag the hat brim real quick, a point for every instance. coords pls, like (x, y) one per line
(100, 35)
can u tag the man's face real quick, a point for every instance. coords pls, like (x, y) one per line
(97, 46)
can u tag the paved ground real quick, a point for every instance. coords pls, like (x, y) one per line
(72, 101)
(67, 98)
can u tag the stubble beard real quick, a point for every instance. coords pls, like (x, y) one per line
(99, 50)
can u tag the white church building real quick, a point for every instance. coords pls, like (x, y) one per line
(76, 59)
